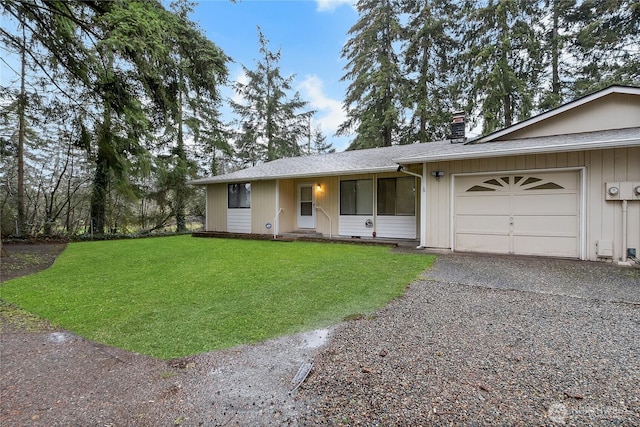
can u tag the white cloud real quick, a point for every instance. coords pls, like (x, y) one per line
(242, 78)
(331, 5)
(329, 114)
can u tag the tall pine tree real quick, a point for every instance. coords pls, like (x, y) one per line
(373, 101)
(429, 54)
(120, 52)
(607, 44)
(502, 62)
(272, 124)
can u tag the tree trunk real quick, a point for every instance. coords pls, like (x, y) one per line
(181, 169)
(22, 105)
(99, 195)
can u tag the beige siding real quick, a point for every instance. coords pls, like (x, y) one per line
(217, 207)
(327, 202)
(604, 221)
(615, 111)
(603, 218)
(438, 203)
(263, 206)
(287, 217)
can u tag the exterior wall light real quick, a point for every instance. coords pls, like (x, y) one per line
(318, 188)
(437, 174)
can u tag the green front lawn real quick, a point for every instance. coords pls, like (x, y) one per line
(176, 296)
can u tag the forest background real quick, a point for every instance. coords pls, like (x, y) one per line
(115, 106)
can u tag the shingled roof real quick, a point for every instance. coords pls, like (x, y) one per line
(343, 163)
(386, 159)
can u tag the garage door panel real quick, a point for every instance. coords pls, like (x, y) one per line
(545, 203)
(540, 225)
(545, 245)
(569, 180)
(483, 243)
(481, 204)
(482, 224)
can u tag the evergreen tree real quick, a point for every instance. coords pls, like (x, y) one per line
(271, 126)
(503, 61)
(559, 60)
(429, 56)
(248, 151)
(319, 144)
(373, 101)
(121, 52)
(607, 44)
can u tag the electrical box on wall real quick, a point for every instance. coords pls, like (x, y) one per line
(625, 190)
(636, 190)
(612, 191)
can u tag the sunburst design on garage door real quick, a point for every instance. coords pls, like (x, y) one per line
(511, 183)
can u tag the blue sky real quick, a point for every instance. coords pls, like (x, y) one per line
(310, 35)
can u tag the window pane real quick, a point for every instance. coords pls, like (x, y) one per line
(306, 208)
(306, 194)
(406, 196)
(246, 195)
(347, 197)
(387, 196)
(364, 197)
(356, 197)
(239, 195)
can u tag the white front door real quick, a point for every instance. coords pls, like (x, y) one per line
(306, 206)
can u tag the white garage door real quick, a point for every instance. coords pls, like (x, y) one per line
(525, 214)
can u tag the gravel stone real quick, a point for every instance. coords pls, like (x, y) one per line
(486, 340)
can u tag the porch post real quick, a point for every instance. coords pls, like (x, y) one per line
(276, 225)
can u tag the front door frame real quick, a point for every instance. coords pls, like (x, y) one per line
(306, 221)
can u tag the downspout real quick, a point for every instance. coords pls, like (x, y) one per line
(423, 202)
(624, 230)
(206, 208)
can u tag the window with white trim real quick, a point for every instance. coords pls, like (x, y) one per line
(397, 196)
(239, 195)
(356, 197)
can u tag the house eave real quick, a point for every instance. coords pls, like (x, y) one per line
(517, 151)
(207, 181)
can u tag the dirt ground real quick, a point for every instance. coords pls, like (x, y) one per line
(51, 377)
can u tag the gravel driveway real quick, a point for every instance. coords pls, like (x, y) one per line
(480, 340)
(485, 340)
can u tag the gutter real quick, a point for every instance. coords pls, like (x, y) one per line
(206, 181)
(517, 151)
